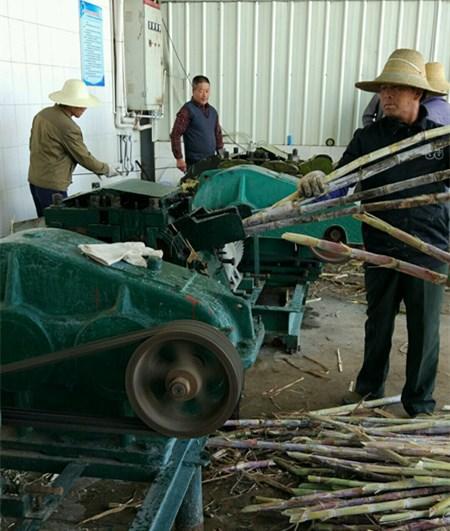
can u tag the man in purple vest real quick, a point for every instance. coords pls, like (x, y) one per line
(198, 123)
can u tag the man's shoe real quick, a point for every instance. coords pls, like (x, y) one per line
(423, 415)
(352, 397)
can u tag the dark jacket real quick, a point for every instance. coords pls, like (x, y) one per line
(430, 223)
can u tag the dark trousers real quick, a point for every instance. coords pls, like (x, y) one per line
(43, 197)
(385, 290)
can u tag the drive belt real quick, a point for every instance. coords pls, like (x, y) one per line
(80, 351)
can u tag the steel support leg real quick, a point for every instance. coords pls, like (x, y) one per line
(190, 515)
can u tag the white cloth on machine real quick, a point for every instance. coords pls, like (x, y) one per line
(109, 253)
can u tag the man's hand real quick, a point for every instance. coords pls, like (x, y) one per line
(181, 165)
(312, 184)
(112, 172)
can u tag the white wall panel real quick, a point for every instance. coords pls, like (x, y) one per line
(282, 68)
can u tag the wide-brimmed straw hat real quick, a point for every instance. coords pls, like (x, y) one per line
(404, 67)
(436, 78)
(75, 94)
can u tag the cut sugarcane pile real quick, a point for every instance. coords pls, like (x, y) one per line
(355, 467)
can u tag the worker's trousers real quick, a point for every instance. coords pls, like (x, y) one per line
(386, 288)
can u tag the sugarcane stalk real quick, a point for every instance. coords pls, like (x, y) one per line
(336, 481)
(304, 207)
(217, 442)
(372, 258)
(268, 423)
(388, 163)
(301, 515)
(343, 410)
(393, 204)
(421, 525)
(402, 517)
(248, 465)
(408, 427)
(298, 470)
(387, 420)
(405, 237)
(440, 509)
(378, 154)
(358, 467)
(408, 449)
(433, 464)
(378, 487)
(375, 499)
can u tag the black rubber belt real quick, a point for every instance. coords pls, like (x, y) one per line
(78, 352)
(67, 421)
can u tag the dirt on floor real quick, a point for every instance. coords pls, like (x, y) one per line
(338, 304)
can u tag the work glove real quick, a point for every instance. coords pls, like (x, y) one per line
(312, 184)
(112, 172)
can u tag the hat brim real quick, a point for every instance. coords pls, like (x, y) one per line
(440, 87)
(60, 97)
(394, 78)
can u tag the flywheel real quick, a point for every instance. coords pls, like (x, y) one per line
(186, 380)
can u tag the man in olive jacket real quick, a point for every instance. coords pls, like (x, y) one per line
(401, 86)
(56, 145)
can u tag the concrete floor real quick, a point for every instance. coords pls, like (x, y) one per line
(342, 315)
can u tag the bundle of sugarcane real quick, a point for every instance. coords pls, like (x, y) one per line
(345, 176)
(355, 468)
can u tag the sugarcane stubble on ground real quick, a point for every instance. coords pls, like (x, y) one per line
(282, 384)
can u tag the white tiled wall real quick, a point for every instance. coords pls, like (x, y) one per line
(39, 50)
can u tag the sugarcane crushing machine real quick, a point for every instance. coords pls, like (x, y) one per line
(121, 370)
(202, 229)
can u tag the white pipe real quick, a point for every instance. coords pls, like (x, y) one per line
(122, 119)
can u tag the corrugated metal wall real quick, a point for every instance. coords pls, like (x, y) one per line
(280, 68)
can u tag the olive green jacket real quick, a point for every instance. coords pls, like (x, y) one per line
(56, 147)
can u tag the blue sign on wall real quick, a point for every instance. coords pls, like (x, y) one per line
(91, 41)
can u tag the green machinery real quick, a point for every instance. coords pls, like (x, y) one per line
(273, 274)
(120, 370)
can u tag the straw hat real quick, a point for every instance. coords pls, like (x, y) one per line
(404, 67)
(75, 94)
(436, 78)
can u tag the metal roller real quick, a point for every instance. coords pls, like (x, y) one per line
(186, 380)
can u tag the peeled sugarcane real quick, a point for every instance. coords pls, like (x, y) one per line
(300, 515)
(372, 258)
(343, 410)
(405, 237)
(424, 136)
(394, 204)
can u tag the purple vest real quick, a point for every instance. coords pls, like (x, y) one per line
(200, 137)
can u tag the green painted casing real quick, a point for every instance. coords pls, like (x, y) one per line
(52, 297)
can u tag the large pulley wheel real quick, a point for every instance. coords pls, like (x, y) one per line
(186, 380)
(334, 234)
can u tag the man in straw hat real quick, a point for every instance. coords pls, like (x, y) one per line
(56, 145)
(437, 106)
(401, 86)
